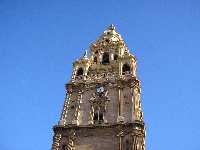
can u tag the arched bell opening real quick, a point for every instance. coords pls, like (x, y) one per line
(95, 59)
(105, 59)
(95, 117)
(98, 116)
(115, 57)
(126, 69)
(79, 72)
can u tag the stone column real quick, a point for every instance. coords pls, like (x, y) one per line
(120, 135)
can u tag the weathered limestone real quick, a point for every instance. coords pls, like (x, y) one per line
(102, 108)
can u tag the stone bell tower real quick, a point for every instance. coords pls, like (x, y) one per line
(102, 108)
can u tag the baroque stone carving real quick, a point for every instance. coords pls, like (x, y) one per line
(98, 101)
(103, 100)
(56, 141)
(138, 111)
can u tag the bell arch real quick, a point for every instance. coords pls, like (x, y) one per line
(79, 71)
(105, 58)
(126, 68)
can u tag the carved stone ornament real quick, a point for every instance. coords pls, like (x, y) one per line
(102, 107)
(100, 97)
(56, 141)
(120, 119)
(98, 100)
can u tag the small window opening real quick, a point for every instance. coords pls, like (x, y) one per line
(126, 68)
(95, 118)
(105, 59)
(72, 107)
(98, 116)
(95, 59)
(79, 72)
(115, 57)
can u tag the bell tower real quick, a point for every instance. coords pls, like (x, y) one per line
(102, 108)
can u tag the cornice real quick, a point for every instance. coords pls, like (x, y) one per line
(122, 81)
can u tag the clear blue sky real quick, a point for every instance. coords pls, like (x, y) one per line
(39, 40)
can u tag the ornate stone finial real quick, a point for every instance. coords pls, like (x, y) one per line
(85, 54)
(111, 27)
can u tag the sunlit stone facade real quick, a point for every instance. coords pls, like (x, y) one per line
(102, 108)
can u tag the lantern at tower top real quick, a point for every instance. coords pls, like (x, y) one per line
(109, 40)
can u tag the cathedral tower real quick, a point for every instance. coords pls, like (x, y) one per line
(102, 108)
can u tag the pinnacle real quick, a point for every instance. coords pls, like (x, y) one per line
(111, 27)
(85, 54)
